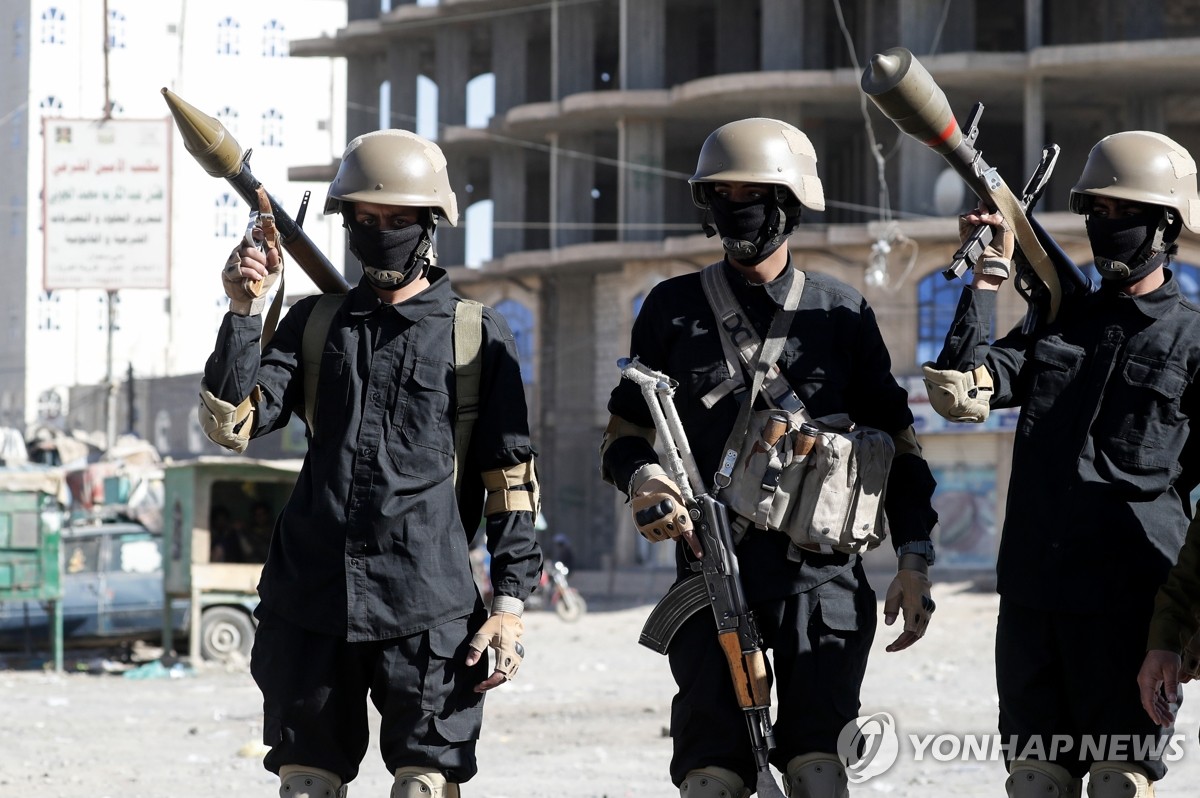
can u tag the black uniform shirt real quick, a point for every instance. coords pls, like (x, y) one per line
(371, 545)
(1104, 458)
(834, 359)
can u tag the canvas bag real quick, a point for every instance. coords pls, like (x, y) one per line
(821, 481)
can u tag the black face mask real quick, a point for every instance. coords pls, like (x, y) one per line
(750, 231)
(1127, 248)
(390, 259)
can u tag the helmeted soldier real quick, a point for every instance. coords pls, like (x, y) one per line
(367, 588)
(1103, 464)
(754, 178)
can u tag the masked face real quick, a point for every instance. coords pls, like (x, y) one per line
(750, 231)
(1128, 246)
(391, 258)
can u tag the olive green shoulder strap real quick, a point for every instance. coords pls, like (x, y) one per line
(468, 351)
(316, 330)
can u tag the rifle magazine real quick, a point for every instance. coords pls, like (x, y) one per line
(682, 601)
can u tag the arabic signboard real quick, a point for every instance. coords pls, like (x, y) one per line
(106, 203)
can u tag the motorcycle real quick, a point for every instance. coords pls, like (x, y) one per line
(554, 590)
(566, 601)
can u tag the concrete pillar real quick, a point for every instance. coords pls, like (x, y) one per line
(508, 199)
(362, 9)
(571, 491)
(453, 70)
(643, 51)
(735, 30)
(362, 95)
(1145, 112)
(641, 194)
(403, 67)
(1034, 30)
(573, 65)
(572, 179)
(451, 241)
(1035, 125)
(782, 34)
(510, 61)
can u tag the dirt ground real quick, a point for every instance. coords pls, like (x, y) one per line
(587, 717)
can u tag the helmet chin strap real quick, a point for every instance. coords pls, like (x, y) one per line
(1143, 261)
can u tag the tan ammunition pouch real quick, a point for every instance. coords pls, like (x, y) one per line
(226, 424)
(825, 490)
(510, 488)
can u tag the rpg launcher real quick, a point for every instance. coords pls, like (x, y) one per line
(221, 156)
(906, 94)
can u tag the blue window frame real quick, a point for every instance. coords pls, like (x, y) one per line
(520, 321)
(54, 26)
(228, 31)
(274, 40)
(937, 298)
(228, 219)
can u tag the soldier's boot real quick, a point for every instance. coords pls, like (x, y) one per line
(713, 782)
(1033, 778)
(817, 775)
(419, 782)
(1118, 780)
(302, 781)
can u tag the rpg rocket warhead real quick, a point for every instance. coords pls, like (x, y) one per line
(205, 138)
(908, 95)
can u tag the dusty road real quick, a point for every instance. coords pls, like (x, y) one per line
(586, 718)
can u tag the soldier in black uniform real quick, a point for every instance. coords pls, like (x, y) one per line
(367, 588)
(1103, 465)
(816, 610)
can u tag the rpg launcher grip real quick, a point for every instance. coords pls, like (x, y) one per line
(908, 95)
(215, 149)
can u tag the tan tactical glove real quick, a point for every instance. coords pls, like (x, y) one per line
(659, 511)
(255, 266)
(959, 395)
(996, 260)
(908, 594)
(502, 633)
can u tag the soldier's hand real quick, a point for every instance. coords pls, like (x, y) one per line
(249, 275)
(995, 264)
(1158, 684)
(659, 511)
(908, 594)
(501, 632)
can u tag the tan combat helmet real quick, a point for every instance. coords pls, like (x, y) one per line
(1144, 167)
(393, 167)
(759, 150)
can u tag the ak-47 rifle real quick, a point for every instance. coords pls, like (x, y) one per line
(715, 581)
(221, 156)
(906, 93)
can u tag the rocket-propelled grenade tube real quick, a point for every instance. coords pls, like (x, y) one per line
(221, 156)
(908, 95)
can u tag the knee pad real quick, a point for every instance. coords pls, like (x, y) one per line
(302, 781)
(1033, 778)
(712, 782)
(419, 782)
(817, 775)
(1118, 780)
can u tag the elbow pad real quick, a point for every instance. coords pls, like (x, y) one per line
(959, 395)
(620, 428)
(226, 424)
(511, 488)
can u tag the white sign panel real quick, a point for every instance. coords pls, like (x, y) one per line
(106, 203)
